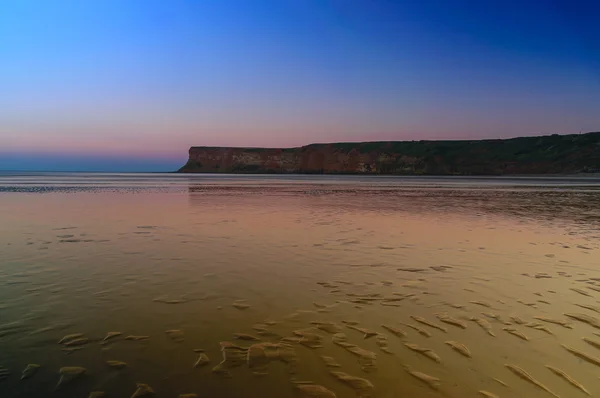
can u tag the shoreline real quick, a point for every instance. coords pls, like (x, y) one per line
(572, 154)
(188, 173)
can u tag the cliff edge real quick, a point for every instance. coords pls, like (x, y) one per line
(553, 154)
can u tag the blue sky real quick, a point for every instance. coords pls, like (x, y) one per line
(146, 79)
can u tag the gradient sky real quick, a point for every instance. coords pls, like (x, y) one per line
(147, 79)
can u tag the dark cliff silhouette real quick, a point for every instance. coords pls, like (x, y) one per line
(552, 154)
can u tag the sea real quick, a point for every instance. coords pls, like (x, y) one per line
(135, 285)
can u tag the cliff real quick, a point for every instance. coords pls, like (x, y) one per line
(554, 154)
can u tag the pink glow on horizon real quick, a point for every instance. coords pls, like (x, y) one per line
(175, 146)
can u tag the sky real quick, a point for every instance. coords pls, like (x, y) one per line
(130, 85)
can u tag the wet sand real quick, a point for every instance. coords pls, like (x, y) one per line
(299, 288)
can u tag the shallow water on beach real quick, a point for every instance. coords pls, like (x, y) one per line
(451, 279)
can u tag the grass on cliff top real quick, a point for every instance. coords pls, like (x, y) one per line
(544, 147)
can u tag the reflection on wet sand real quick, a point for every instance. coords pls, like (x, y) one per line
(297, 290)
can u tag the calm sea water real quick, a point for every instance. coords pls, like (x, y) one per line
(393, 279)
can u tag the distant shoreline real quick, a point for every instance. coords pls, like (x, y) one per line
(572, 154)
(179, 174)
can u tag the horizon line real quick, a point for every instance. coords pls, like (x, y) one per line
(387, 141)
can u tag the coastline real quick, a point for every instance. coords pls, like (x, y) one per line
(575, 154)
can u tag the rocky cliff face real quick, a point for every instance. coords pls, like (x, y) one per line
(526, 155)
